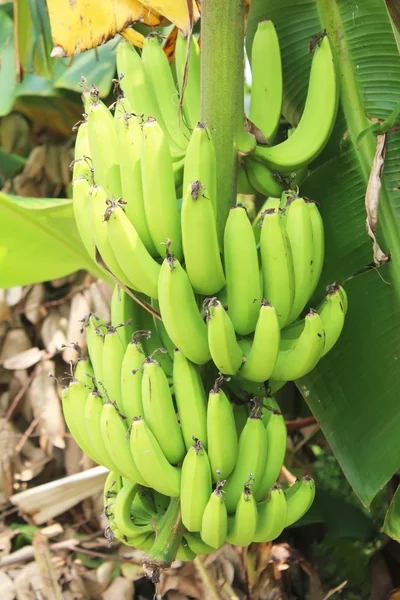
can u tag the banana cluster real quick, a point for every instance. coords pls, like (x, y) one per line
(193, 307)
(219, 458)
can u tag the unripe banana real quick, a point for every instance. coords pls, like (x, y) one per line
(242, 527)
(263, 352)
(159, 328)
(266, 80)
(73, 401)
(298, 228)
(124, 311)
(83, 371)
(131, 378)
(122, 516)
(82, 163)
(190, 400)
(161, 502)
(196, 544)
(272, 514)
(269, 203)
(184, 552)
(299, 499)
(104, 149)
(100, 205)
(252, 454)
(277, 265)
(318, 236)
(332, 313)
(195, 486)
(214, 525)
(241, 414)
(159, 76)
(180, 314)
(304, 355)
(159, 411)
(317, 120)
(130, 139)
(151, 460)
(225, 350)
(142, 507)
(190, 79)
(261, 177)
(201, 162)
(138, 266)
(113, 355)
(221, 434)
(242, 271)
(152, 342)
(82, 207)
(200, 240)
(94, 332)
(115, 433)
(243, 184)
(276, 442)
(92, 421)
(133, 83)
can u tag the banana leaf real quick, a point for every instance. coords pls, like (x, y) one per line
(354, 391)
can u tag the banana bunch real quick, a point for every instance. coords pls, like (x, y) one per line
(176, 396)
(162, 437)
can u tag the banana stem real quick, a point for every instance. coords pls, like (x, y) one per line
(168, 538)
(222, 83)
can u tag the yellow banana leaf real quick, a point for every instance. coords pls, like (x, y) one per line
(85, 24)
(181, 13)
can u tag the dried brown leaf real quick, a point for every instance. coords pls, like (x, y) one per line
(100, 294)
(104, 572)
(33, 303)
(121, 588)
(16, 341)
(14, 295)
(53, 331)
(7, 587)
(25, 359)
(372, 198)
(46, 405)
(79, 308)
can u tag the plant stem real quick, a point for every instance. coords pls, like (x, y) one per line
(222, 104)
(167, 541)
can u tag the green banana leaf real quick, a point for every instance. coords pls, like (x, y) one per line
(354, 391)
(391, 525)
(39, 241)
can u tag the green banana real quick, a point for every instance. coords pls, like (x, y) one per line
(133, 81)
(83, 371)
(201, 162)
(92, 419)
(241, 413)
(250, 463)
(195, 486)
(114, 432)
(276, 442)
(82, 163)
(113, 355)
(104, 149)
(124, 311)
(159, 190)
(306, 352)
(159, 328)
(142, 508)
(221, 433)
(159, 77)
(298, 228)
(159, 411)
(180, 314)
(317, 120)
(214, 525)
(73, 401)
(94, 333)
(151, 460)
(243, 184)
(190, 400)
(225, 350)
(138, 266)
(161, 502)
(131, 378)
(122, 512)
(130, 139)
(261, 177)
(276, 264)
(318, 237)
(332, 313)
(299, 499)
(262, 353)
(266, 80)
(82, 207)
(272, 514)
(242, 527)
(242, 271)
(184, 552)
(152, 342)
(200, 240)
(196, 544)
(188, 76)
(100, 206)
